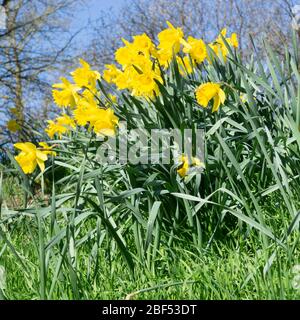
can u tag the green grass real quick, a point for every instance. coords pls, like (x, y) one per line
(224, 272)
(232, 268)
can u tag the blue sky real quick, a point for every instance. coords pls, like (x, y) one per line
(90, 11)
(92, 8)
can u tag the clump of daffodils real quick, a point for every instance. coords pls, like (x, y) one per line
(139, 69)
(141, 62)
(82, 98)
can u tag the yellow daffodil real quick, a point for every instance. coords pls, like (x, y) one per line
(185, 166)
(170, 38)
(139, 72)
(195, 48)
(30, 156)
(122, 80)
(233, 40)
(59, 126)
(164, 57)
(88, 95)
(219, 49)
(110, 73)
(84, 112)
(143, 84)
(53, 128)
(139, 76)
(169, 43)
(45, 148)
(104, 122)
(86, 106)
(207, 91)
(125, 55)
(13, 126)
(85, 76)
(219, 46)
(68, 95)
(143, 44)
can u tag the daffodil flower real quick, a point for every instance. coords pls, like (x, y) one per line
(195, 48)
(68, 95)
(59, 126)
(30, 156)
(208, 91)
(85, 76)
(185, 166)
